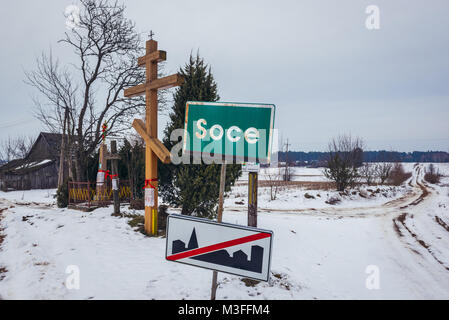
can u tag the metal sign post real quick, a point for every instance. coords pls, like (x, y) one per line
(253, 172)
(219, 219)
(252, 199)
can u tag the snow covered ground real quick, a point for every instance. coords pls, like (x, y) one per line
(297, 173)
(320, 251)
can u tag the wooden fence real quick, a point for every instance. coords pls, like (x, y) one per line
(86, 195)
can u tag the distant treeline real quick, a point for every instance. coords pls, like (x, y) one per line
(370, 156)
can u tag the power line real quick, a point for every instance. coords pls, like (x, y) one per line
(13, 123)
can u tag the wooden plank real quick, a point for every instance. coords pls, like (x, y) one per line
(155, 144)
(140, 128)
(135, 91)
(162, 83)
(166, 82)
(156, 56)
(113, 157)
(160, 150)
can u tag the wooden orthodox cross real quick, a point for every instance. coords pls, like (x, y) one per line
(102, 166)
(148, 131)
(114, 157)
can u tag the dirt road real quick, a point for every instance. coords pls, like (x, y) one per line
(408, 238)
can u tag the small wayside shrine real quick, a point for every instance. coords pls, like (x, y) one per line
(107, 189)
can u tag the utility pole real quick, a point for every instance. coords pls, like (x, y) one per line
(287, 171)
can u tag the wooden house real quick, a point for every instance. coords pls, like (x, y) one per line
(38, 170)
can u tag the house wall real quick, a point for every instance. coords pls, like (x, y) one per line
(42, 178)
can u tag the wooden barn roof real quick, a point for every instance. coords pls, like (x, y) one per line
(36, 157)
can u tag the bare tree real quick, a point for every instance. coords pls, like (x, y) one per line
(345, 155)
(368, 172)
(274, 176)
(79, 99)
(15, 148)
(383, 171)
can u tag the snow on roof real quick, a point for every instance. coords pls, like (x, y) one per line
(33, 164)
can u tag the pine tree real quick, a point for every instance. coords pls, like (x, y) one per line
(132, 166)
(194, 187)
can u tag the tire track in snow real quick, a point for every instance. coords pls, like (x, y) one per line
(401, 220)
(442, 223)
(3, 269)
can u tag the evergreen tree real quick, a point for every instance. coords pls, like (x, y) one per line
(194, 187)
(132, 166)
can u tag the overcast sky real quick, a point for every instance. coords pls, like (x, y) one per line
(316, 61)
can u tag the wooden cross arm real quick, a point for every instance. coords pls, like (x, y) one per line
(162, 83)
(156, 56)
(113, 157)
(155, 144)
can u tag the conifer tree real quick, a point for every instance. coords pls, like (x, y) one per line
(194, 187)
(132, 166)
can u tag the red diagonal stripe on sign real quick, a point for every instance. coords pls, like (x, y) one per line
(218, 246)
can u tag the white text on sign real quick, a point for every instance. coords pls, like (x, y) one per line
(251, 134)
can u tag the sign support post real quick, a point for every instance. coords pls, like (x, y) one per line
(219, 219)
(252, 198)
(148, 131)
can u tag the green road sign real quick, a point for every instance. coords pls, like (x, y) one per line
(233, 131)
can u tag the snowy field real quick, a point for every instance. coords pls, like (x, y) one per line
(297, 173)
(320, 251)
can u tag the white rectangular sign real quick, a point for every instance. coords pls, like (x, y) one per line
(149, 197)
(100, 177)
(230, 248)
(114, 184)
(250, 167)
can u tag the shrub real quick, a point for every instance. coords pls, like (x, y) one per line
(368, 172)
(62, 194)
(383, 171)
(137, 204)
(162, 217)
(398, 175)
(343, 160)
(432, 175)
(308, 196)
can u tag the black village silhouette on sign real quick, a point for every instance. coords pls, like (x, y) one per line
(238, 260)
